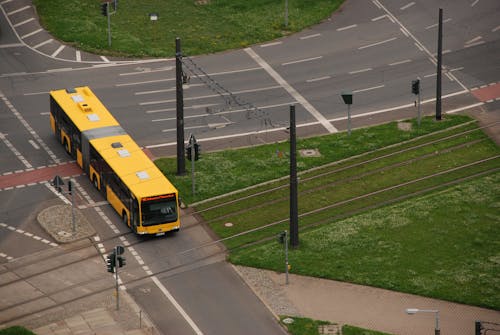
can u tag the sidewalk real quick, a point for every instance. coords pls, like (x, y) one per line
(361, 306)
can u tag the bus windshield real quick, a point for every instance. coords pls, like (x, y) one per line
(158, 210)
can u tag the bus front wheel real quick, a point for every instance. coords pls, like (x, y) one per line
(125, 219)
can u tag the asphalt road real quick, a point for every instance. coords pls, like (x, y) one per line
(372, 48)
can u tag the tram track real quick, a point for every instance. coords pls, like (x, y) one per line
(273, 189)
(173, 270)
(165, 272)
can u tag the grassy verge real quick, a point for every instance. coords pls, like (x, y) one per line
(443, 245)
(204, 26)
(16, 330)
(221, 172)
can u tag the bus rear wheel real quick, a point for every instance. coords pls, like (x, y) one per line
(94, 181)
(125, 219)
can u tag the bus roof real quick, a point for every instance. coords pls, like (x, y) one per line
(135, 169)
(84, 108)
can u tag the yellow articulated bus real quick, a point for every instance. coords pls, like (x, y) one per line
(139, 192)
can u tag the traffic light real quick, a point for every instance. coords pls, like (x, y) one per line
(282, 237)
(121, 261)
(188, 152)
(415, 86)
(104, 9)
(478, 327)
(196, 151)
(111, 262)
(70, 187)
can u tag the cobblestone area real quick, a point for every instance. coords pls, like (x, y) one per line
(58, 222)
(271, 293)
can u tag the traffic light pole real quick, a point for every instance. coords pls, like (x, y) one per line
(109, 24)
(116, 280)
(192, 168)
(294, 216)
(181, 162)
(439, 65)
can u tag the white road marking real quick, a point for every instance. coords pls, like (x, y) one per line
(400, 62)
(495, 29)
(310, 36)
(379, 18)
(173, 79)
(253, 133)
(475, 39)
(435, 24)
(474, 3)
(421, 46)
(473, 44)
(18, 10)
(302, 60)
(317, 79)
(15, 151)
(360, 71)
(33, 143)
(270, 44)
(78, 56)
(55, 53)
(404, 32)
(167, 89)
(296, 95)
(168, 68)
(176, 305)
(407, 6)
(23, 22)
(368, 89)
(11, 45)
(211, 95)
(105, 59)
(43, 43)
(377, 43)
(31, 34)
(347, 27)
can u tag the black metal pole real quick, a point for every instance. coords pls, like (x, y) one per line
(181, 161)
(439, 65)
(294, 216)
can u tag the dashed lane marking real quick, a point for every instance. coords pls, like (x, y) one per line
(27, 234)
(29, 128)
(294, 93)
(487, 93)
(17, 10)
(15, 151)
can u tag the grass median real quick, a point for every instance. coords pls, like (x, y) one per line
(413, 211)
(205, 26)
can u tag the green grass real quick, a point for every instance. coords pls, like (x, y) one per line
(16, 330)
(219, 173)
(443, 245)
(203, 28)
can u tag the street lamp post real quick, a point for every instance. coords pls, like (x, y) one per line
(412, 311)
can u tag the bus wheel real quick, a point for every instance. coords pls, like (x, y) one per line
(125, 219)
(66, 147)
(94, 181)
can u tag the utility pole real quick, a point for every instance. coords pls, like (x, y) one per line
(294, 216)
(439, 65)
(181, 162)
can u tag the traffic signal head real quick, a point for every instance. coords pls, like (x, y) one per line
(415, 86)
(196, 151)
(282, 237)
(104, 8)
(121, 261)
(110, 262)
(188, 152)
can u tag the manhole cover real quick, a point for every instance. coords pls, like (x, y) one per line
(288, 321)
(228, 224)
(309, 153)
(63, 233)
